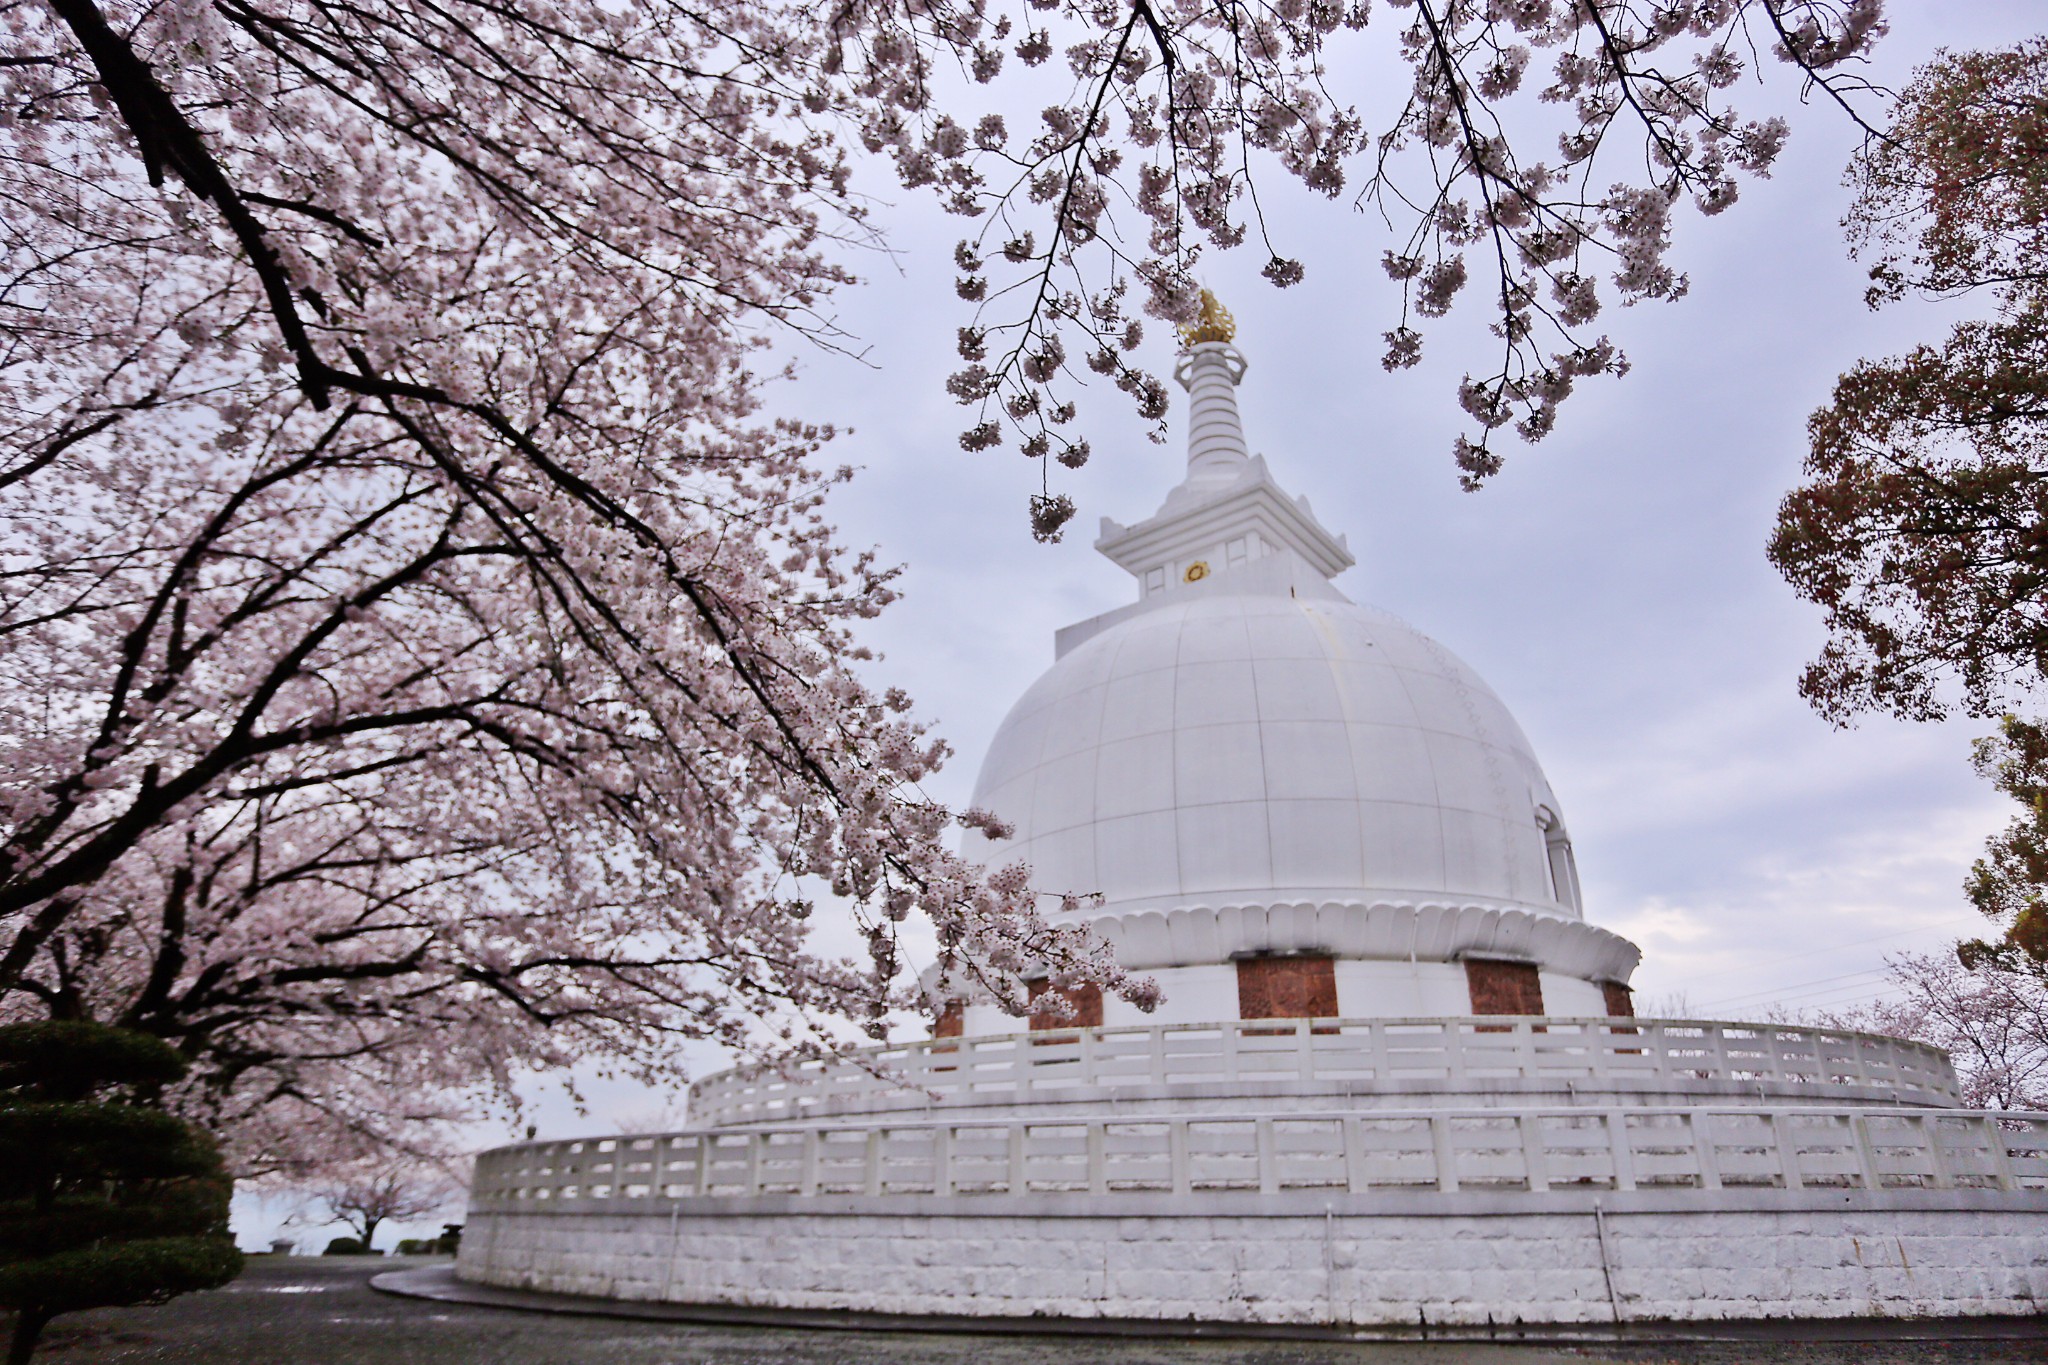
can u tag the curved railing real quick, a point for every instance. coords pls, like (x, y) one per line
(1536, 1151)
(1357, 1054)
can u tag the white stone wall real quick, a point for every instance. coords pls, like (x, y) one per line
(1964, 1255)
(1382, 989)
(1569, 995)
(1196, 994)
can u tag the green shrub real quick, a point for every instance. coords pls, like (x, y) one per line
(105, 1200)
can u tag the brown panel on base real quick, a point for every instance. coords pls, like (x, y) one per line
(1504, 987)
(1287, 988)
(1087, 1003)
(1621, 1004)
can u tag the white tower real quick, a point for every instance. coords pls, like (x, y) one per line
(1287, 803)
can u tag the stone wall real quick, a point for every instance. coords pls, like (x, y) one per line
(1665, 1257)
(1504, 987)
(1299, 987)
(1086, 1002)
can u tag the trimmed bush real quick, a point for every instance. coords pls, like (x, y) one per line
(105, 1200)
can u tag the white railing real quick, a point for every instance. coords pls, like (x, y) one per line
(1353, 1053)
(1356, 1153)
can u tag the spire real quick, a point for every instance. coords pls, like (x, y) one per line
(1209, 370)
(1227, 525)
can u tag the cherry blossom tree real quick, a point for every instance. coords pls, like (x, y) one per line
(365, 1198)
(1149, 155)
(425, 658)
(1991, 1019)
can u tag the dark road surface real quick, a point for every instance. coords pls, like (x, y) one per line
(308, 1311)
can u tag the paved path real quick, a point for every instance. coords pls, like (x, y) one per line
(309, 1311)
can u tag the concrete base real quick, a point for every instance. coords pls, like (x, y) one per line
(439, 1284)
(1900, 1255)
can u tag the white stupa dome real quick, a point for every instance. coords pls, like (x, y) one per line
(1244, 765)
(1249, 740)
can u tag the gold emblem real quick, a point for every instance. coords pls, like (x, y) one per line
(1197, 571)
(1214, 323)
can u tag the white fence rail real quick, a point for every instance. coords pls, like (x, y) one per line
(1445, 1151)
(1646, 1053)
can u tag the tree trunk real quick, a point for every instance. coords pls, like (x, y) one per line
(28, 1325)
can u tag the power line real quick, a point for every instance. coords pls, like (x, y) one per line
(1838, 947)
(1792, 987)
(1857, 996)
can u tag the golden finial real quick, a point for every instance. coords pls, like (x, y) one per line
(1214, 323)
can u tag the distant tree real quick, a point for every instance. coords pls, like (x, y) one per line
(105, 1200)
(1991, 1018)
(365, 1199)
(1922, 529)
(2009, 884)
(424, 661)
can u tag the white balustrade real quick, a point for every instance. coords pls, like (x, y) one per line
(1353, 1152)
(1088, 1063)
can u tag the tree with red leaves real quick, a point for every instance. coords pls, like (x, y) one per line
(1923, 526)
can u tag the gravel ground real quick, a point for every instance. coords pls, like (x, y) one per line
(307, 1311)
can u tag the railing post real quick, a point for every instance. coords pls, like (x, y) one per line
(2001, 1156)
(1354, 1155)
(807, 1176)
(1703, 1151)
(1446, 1154)
(1866, 1153)
(1157, 1054)
(1534, 1164)
(1717, 1050)
(1269, 1160)
(1231, 1032)
(942, 1160)
(919, 1073)
(1620, 1153)
(1381, 1065)
(705, 1143)
(872, 1163)
(756, 1143)
(1177, 1155)
(1818, 1044)
(1937, 1160)
(1788, 1151)
(1019, 1183)
(1098, 1160)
